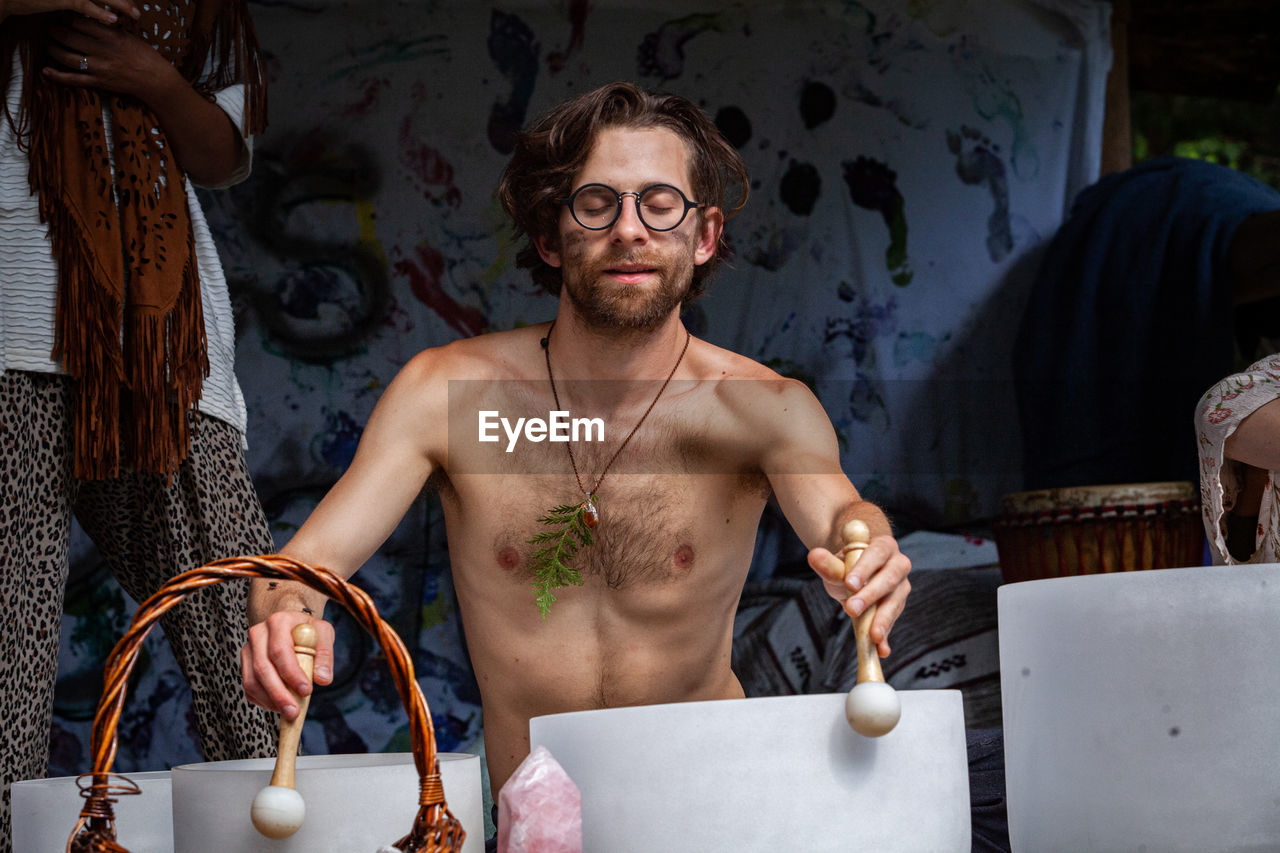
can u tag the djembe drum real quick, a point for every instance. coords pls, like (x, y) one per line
(1094, 529)
(434, 830)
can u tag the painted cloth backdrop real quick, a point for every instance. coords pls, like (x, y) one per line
(909, 160)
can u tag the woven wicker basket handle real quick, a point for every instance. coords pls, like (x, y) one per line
(434, 830)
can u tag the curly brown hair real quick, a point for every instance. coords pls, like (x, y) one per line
(553, 150)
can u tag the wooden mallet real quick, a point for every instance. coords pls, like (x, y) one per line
(872, 706)
(278, 809)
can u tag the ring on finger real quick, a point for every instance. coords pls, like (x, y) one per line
(84, 63)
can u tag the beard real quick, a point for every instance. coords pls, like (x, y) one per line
(608, 305)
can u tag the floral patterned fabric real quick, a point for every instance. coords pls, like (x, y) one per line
(1221, 411)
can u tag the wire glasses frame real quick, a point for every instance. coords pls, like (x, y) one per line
(661, 207)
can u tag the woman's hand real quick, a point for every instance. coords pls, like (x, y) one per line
(106, 11)
(205, 143)
(105, 57)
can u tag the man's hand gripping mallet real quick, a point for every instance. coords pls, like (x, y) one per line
(278, 810)
(872, 706)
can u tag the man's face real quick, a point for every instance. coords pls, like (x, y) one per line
(627, 276)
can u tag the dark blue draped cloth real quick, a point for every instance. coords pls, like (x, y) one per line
(1129, 321)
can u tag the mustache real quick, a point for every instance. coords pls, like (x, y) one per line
(638, 259)
(615, 256)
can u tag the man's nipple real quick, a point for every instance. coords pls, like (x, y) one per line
(509, 559)
(683, 558)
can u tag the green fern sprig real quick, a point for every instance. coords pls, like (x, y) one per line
(558, 547)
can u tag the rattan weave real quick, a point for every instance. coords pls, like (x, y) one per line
(435, 829)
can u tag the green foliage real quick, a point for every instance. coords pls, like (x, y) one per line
(1224, 152)
(1240, 135)
(558, 547)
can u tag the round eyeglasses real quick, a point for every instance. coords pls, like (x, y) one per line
(661, 207)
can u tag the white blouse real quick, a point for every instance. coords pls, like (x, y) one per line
(29, 274)
(1219, 414)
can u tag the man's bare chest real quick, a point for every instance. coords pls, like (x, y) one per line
(667, 482)
(653, 529)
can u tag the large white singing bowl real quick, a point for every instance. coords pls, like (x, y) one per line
(773, 774)
(46, 810)
(1142, 711)
(354, 803)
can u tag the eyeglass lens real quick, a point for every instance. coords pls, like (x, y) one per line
(661, 207)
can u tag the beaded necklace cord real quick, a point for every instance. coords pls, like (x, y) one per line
(572, 523)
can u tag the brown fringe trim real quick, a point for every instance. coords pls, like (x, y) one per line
(138, 419)
(168, 358)
(17, 33)
(91, 357)
(86, 323)
(45, 137)
(232, 41)
(229, 37)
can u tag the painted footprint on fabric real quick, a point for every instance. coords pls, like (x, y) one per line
(978, 162)
(661, 53)
(872, 185)
(514, 51)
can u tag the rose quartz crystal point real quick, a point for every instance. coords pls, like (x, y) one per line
(539, 808)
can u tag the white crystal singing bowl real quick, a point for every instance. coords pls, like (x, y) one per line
(777, 773)
(45, 811)
(354, 803)
(1140, 711)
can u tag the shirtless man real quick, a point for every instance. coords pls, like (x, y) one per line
(652, 621)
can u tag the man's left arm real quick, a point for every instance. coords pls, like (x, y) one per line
(802, 462)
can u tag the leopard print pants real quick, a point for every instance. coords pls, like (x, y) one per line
(146, 532)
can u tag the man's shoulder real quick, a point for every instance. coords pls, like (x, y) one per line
(752, 392)
(739, 375)
(491, 356)
(715, 362)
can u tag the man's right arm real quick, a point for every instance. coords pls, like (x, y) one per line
(402, 444)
